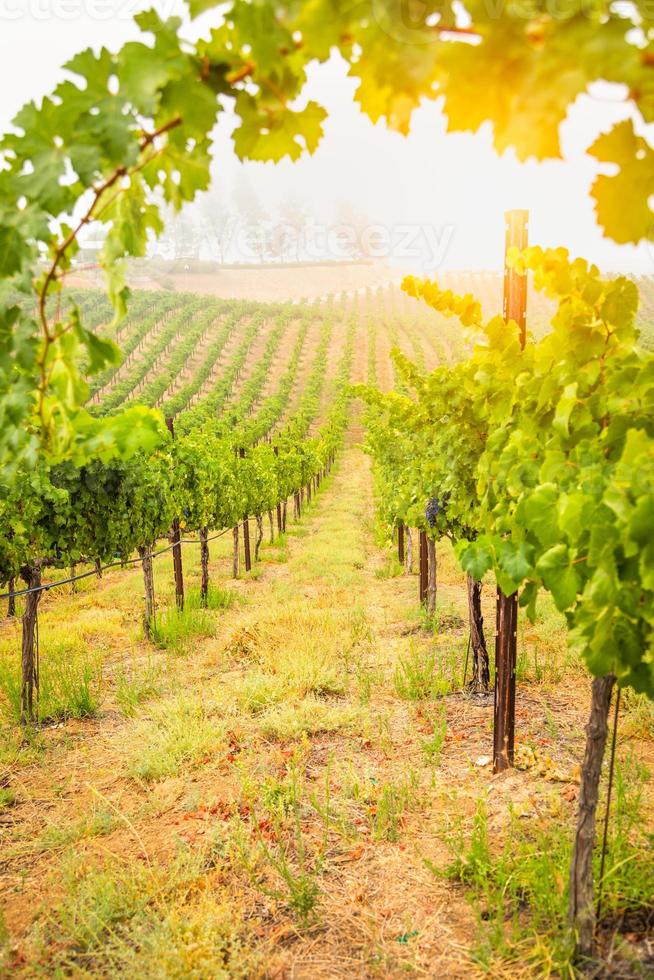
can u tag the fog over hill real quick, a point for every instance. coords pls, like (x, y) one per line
(433, 200)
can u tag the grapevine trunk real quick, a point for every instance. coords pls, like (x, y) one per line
(431, 577)
(145, 555)
(259, 537)
(246, 543)
(582, 902)
(408, 560)
(235, 553)
(480, 683)
(204, 562)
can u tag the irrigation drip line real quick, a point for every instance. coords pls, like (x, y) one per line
(104, 568)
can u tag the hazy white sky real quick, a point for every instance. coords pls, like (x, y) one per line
(451, 189)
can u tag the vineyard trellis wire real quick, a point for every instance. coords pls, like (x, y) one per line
(96, 572)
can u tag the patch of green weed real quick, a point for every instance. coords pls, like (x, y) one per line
(418, 677)
(176, 629)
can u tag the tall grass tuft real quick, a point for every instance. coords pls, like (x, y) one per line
(70, 681)
(176, 629)
(217, 598)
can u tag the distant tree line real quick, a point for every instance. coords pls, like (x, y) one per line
(242, 230)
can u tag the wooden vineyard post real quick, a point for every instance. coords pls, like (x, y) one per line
(177, 548)
(515, 284)
(29, 692)
(506, 630)
(424, 568)
(280, 525)
(400, 543)
(505, 664)
(246, 531)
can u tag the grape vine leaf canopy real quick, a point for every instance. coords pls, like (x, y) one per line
(130, 133)
(546, 454)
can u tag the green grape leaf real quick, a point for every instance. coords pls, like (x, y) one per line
(514, 564)
(634, 182)
(528, 600)
(277, 134)
(537, 511)
(559, 576)
(641, 520)
(526, 89)
(564, 407)
(476, 559)
(198, 7)
(601, 589)
(13, 248)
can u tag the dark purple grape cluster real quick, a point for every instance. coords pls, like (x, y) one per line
(432, 510)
